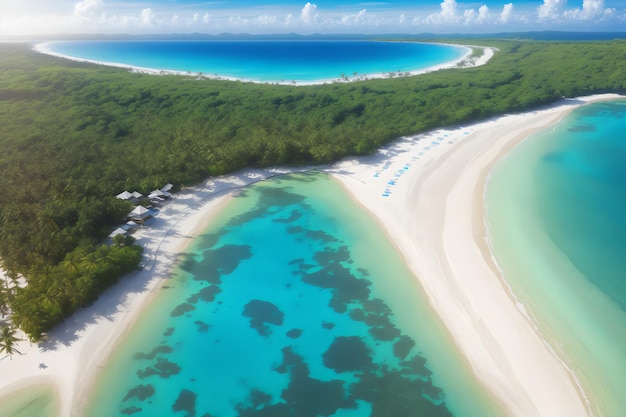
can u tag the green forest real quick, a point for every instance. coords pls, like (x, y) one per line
(73, 135)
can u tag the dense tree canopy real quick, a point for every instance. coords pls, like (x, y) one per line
(73, 135)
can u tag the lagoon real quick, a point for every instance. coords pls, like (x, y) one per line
(293, 303)
(304, 61)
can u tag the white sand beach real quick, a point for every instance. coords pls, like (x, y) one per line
(427, 192)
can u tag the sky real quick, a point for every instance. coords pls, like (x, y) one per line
(47, 17)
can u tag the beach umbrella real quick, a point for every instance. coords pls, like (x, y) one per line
(124, 195)
(140, 212)
(156, 193)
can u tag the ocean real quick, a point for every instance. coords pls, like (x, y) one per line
(266, 61)
(557, 217)
(292, 303)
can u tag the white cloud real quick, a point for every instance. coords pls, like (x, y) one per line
(308, 14)
(483, 14)
(361, 17)
(115, 16)
(507, 12)
(88, 9)
(551, 9)
(448, 10)
(447, 15)
(591, 10)
(146, 16)
(267, 20)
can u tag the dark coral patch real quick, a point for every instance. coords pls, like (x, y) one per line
(385, 334)
(259, 398)
(270, 199)
(221, 261)
(392, 394)
(346, 288)
(205, 294)
(331, 256)
(141, 392)
(304, 396)
(153, 354)
(209, 240)
(327, 325)
(186, 401)
(293, 216)
(202, 326)
(403, 347)
(182, 309)
(348, 354)
(294, 333)
(376, 306)
(168, 332)
(416, 365)
(320, 236)
(129, 411)
(163, 368)
(357, 314)
(262, 313)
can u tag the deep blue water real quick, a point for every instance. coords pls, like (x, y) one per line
(291, 304)
(266, 60)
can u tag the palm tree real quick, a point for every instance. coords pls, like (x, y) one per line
(8, 340)
(4, 301)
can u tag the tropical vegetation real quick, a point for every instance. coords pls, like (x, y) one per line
(8, 340)
(73, 135)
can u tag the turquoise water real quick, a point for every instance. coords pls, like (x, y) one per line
(292, 303)
(266, 61)
(557, 212)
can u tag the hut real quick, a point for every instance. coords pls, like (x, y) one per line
(140, 214)
(125, 195)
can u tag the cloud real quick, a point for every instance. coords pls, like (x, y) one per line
(451, 15)
(88, 9)
(361, 17)
(146, 16)
(551, 9)
(115, 16)
(591, 10)
(308, 15)
(483, 14)
(447, 13)
(507, 12)
(267, 20)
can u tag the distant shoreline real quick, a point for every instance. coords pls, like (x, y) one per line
(488, 52)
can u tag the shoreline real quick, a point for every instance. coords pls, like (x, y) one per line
(488, 53)
(436, 251)
(439, 225)
(75, 350)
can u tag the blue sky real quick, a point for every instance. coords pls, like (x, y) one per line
(21, 17)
